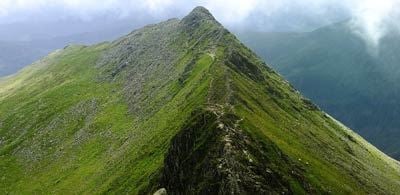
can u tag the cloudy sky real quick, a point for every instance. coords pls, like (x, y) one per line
(371, 19)
(233, 12)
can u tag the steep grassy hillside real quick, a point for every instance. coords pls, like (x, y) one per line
(181, 105)
(333, 66)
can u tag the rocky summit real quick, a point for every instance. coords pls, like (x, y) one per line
(179, 107)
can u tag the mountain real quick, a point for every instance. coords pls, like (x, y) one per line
(334, 67)
(180, 106)
(22, 44)
(15, 55)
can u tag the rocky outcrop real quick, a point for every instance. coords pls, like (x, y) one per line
(213, 155)
(161, 191)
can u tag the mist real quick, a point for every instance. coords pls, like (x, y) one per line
(373, 19)
(370, 19)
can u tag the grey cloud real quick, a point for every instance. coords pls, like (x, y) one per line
(371, 18)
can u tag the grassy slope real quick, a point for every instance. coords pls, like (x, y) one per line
(334, 68)
(334, 157)
(54, 123)
(64, 129)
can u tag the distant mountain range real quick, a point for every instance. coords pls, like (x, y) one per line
(334, 67)
(179, 107)
(23, 44)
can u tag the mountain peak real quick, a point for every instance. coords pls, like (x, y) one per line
(218, 122)
(201, 13)
(198, 15)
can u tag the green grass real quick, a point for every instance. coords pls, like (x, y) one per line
(68, 127)
(325, 148)
(68, 132)
(334, 68)
(62, 119)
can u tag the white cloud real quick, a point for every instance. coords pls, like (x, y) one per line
(371, 18)
(234, 11)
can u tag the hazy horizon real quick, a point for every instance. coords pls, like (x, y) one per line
(40, 26)
(371, 19)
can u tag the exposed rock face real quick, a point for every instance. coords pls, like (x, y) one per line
(198, 16)
(161, 191)
(181, 107)
(212, 155)
(147, 58)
